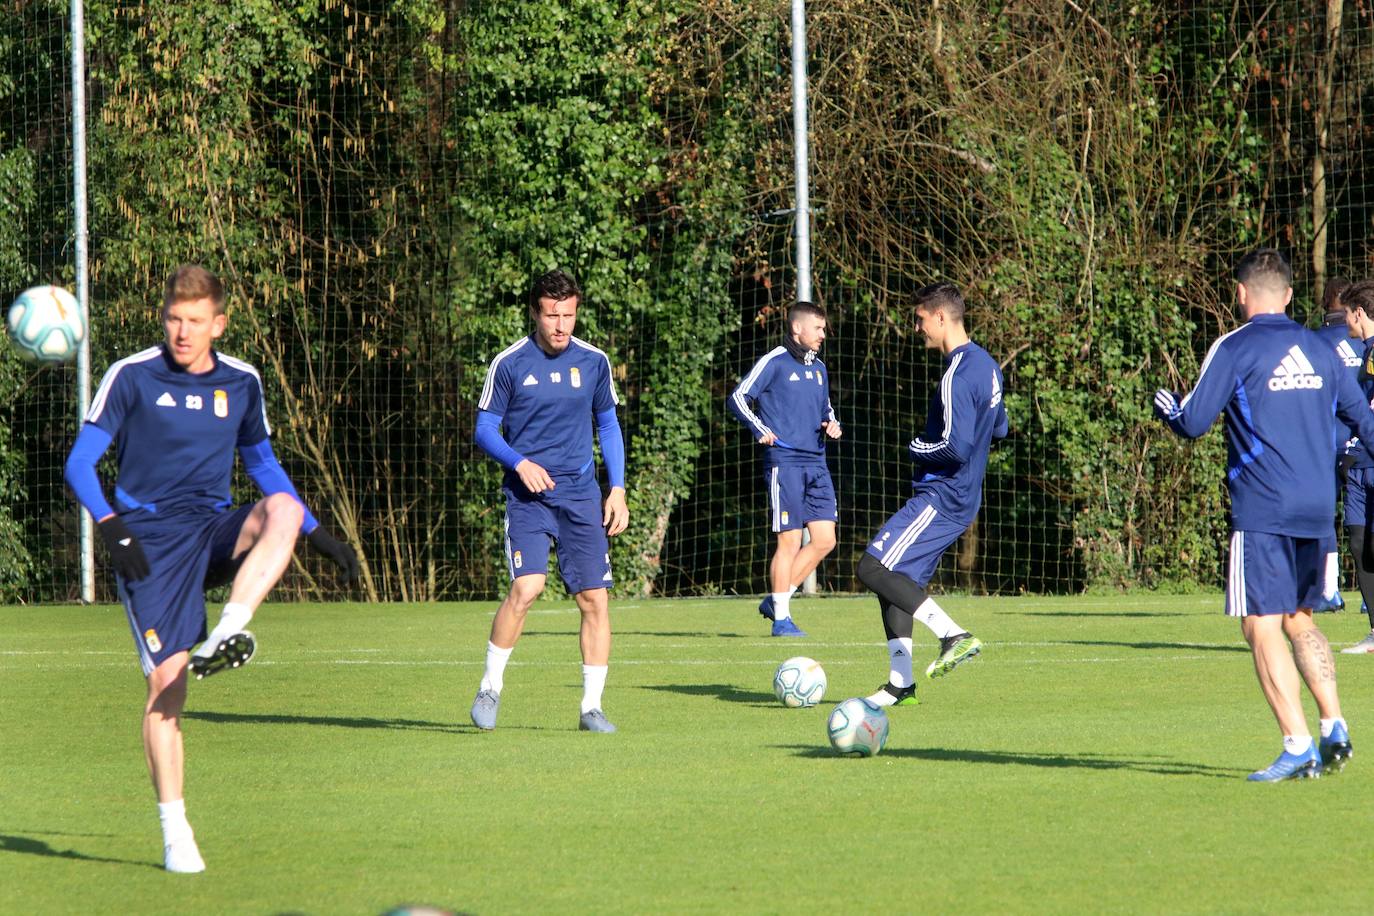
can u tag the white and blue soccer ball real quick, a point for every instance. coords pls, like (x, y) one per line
(45, 324)
(857, 727)
(799, 682)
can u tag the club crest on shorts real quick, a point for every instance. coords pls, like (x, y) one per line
(221, 403)
(784, 516)
(516, 560)
(151, 641)
(575, 377)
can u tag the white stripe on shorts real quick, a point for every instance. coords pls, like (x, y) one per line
(1235, 584)
(909, 536)
(775, 500)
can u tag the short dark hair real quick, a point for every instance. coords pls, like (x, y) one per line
(1265, 267)
(944, 296)
(1359, 296)
(1331, 294)
(190, 282)
(802, 307)
(555, 285)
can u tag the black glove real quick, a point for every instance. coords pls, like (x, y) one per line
(337, 551)
(1343, 466)
(126, 554)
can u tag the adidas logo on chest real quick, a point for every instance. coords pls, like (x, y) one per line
(1294, 371)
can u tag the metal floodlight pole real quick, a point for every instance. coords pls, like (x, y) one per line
(802, 205)
(83, 356)
(802, 210)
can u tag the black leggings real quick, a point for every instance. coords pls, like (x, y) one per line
(1362, 548)
(898, 596)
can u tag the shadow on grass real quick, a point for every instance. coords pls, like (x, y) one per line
(1104, 614)
(673, 634)
(241, 718)
(1204, 647)
(25, 845)
(1157, 764)
(727, 692)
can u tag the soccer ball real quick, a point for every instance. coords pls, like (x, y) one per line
(45, 324)
(858, 727)
(799, 682)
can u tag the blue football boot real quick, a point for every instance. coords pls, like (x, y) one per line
(786, 627)
(1307, 765)
(1335, 749)
(766, 607)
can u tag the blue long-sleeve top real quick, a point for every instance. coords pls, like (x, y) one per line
(966, 414)
(1283, 388)
(790, 398)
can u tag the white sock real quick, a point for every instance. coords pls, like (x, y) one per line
(1328, 725)
(494, 678)
(899, 651)
(234, 619)
(593, 683)
(792, 591)
(1297, 744)
(175, 827)
(782, 605)
(934, 616)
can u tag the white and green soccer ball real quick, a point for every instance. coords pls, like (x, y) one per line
(799, 682)
(857, 727)
(45, 324)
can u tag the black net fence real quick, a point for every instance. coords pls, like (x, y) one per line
(378, 183)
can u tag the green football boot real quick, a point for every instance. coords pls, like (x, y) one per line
(954, 651)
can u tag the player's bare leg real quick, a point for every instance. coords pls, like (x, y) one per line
(1317, 666)
(1277, 673)
(777, 604)
(595, 638)
(506, 628)
(1279, 680)
(162, 747)
(265, 542)
(509, 621)
(810, 554)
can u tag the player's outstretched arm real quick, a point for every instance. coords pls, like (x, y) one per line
(266, 471)
(126, 554)
(1194, 414)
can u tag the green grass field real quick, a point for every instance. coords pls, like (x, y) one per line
(1091, 760)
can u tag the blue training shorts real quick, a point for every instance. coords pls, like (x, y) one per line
(799, 494)
(912, 541)
(166, 608)
(584, 553)
(1359, 488)
(1277, 573)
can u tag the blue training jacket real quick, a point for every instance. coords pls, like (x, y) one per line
(1283, 388)
(966, 414)
(792, 397)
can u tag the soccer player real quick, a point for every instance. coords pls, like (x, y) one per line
(966, 414)
(545, 390)
(1359, 460)
(1281, 387)
(1335, 327)
(176, 413)
(792, 417)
